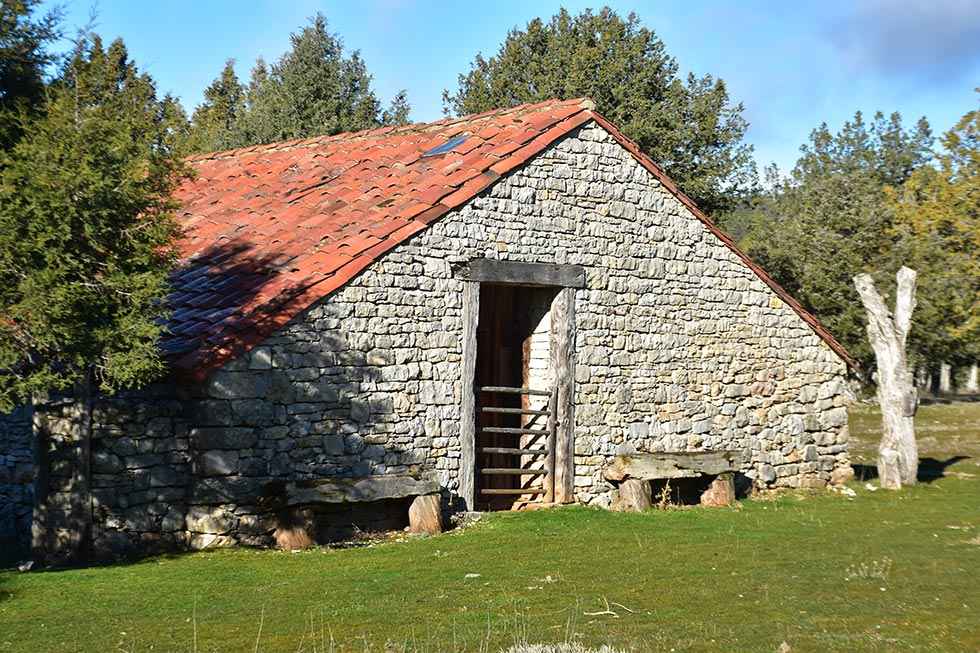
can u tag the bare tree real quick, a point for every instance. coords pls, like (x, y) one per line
(898, 456)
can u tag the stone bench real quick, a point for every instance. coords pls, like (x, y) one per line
(424, 514)
(634, 472)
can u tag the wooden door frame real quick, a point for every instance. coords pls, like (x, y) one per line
(567, 278)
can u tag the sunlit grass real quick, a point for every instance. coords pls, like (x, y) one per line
(879, 572)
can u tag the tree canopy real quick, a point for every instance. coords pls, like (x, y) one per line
(24, 54)
(688, 126)
(937, 229)
(86, 229)
(313, 89)
(871, 198)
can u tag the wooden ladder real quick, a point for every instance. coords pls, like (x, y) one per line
(533, 454)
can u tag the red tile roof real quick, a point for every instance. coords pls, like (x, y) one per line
(270, 229)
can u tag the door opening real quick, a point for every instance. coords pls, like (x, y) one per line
(515, 397)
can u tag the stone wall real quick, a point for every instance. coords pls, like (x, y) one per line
(16, 479)
(679, 346)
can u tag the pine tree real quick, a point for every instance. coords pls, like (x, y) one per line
(86, 231)
(690, 127)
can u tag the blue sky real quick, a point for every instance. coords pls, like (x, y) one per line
(792, 64)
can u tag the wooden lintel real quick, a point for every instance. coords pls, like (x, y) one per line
(520, 274)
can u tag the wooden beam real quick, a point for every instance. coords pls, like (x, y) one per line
(678, 464)
(521, 274)
(563, 362)
(467, 413)
(353, 490)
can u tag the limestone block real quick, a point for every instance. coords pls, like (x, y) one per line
(219, 463)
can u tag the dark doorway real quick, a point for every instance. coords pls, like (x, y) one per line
(514, 402)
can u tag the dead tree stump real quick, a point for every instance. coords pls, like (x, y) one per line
(898, 456)
(425, 515)
(634, 496)
(721, 492)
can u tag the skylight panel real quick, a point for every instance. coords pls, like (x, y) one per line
(445, 147)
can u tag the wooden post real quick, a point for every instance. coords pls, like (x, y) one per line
(549, 463)
(425, 515)
(467, 425)
(563, 362)
(898, 457)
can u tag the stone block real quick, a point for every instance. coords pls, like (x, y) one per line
(223, 438)
(218, 463)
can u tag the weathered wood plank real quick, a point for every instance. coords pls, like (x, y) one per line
(549, 463)
(676, 464)
(513, 430)
(563, 362)
(517, 451)
(509, 390)
(512, 411)
(508, 490)
(467, 425)
(512, 471)
(353, 490)
(524, 274)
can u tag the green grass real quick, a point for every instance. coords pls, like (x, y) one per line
(740, 579)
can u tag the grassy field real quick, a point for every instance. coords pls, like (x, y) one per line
(822, 571)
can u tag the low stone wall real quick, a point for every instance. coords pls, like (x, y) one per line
(16, 480)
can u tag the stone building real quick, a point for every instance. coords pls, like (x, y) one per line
(347, 301)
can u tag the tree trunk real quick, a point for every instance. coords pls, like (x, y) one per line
(898, 457)
(973, 379)
(945, 378)
(81, 513)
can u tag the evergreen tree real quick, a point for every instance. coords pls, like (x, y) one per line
(214, 125)
(23, 57)
(86, 230)
(690, 127)
(312, 90)
(830, 220)
(937, 228)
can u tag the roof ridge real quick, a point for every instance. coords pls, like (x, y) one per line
(388, 130)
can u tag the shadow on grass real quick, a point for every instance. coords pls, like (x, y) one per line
(930, 469)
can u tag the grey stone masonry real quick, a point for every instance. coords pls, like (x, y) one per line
(679, 346)
(16, 480)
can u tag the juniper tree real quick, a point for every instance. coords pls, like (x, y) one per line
(313, 89)
(24, 54)
(689, 126)
(830, 220)
(214, 124)
(86, 230)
